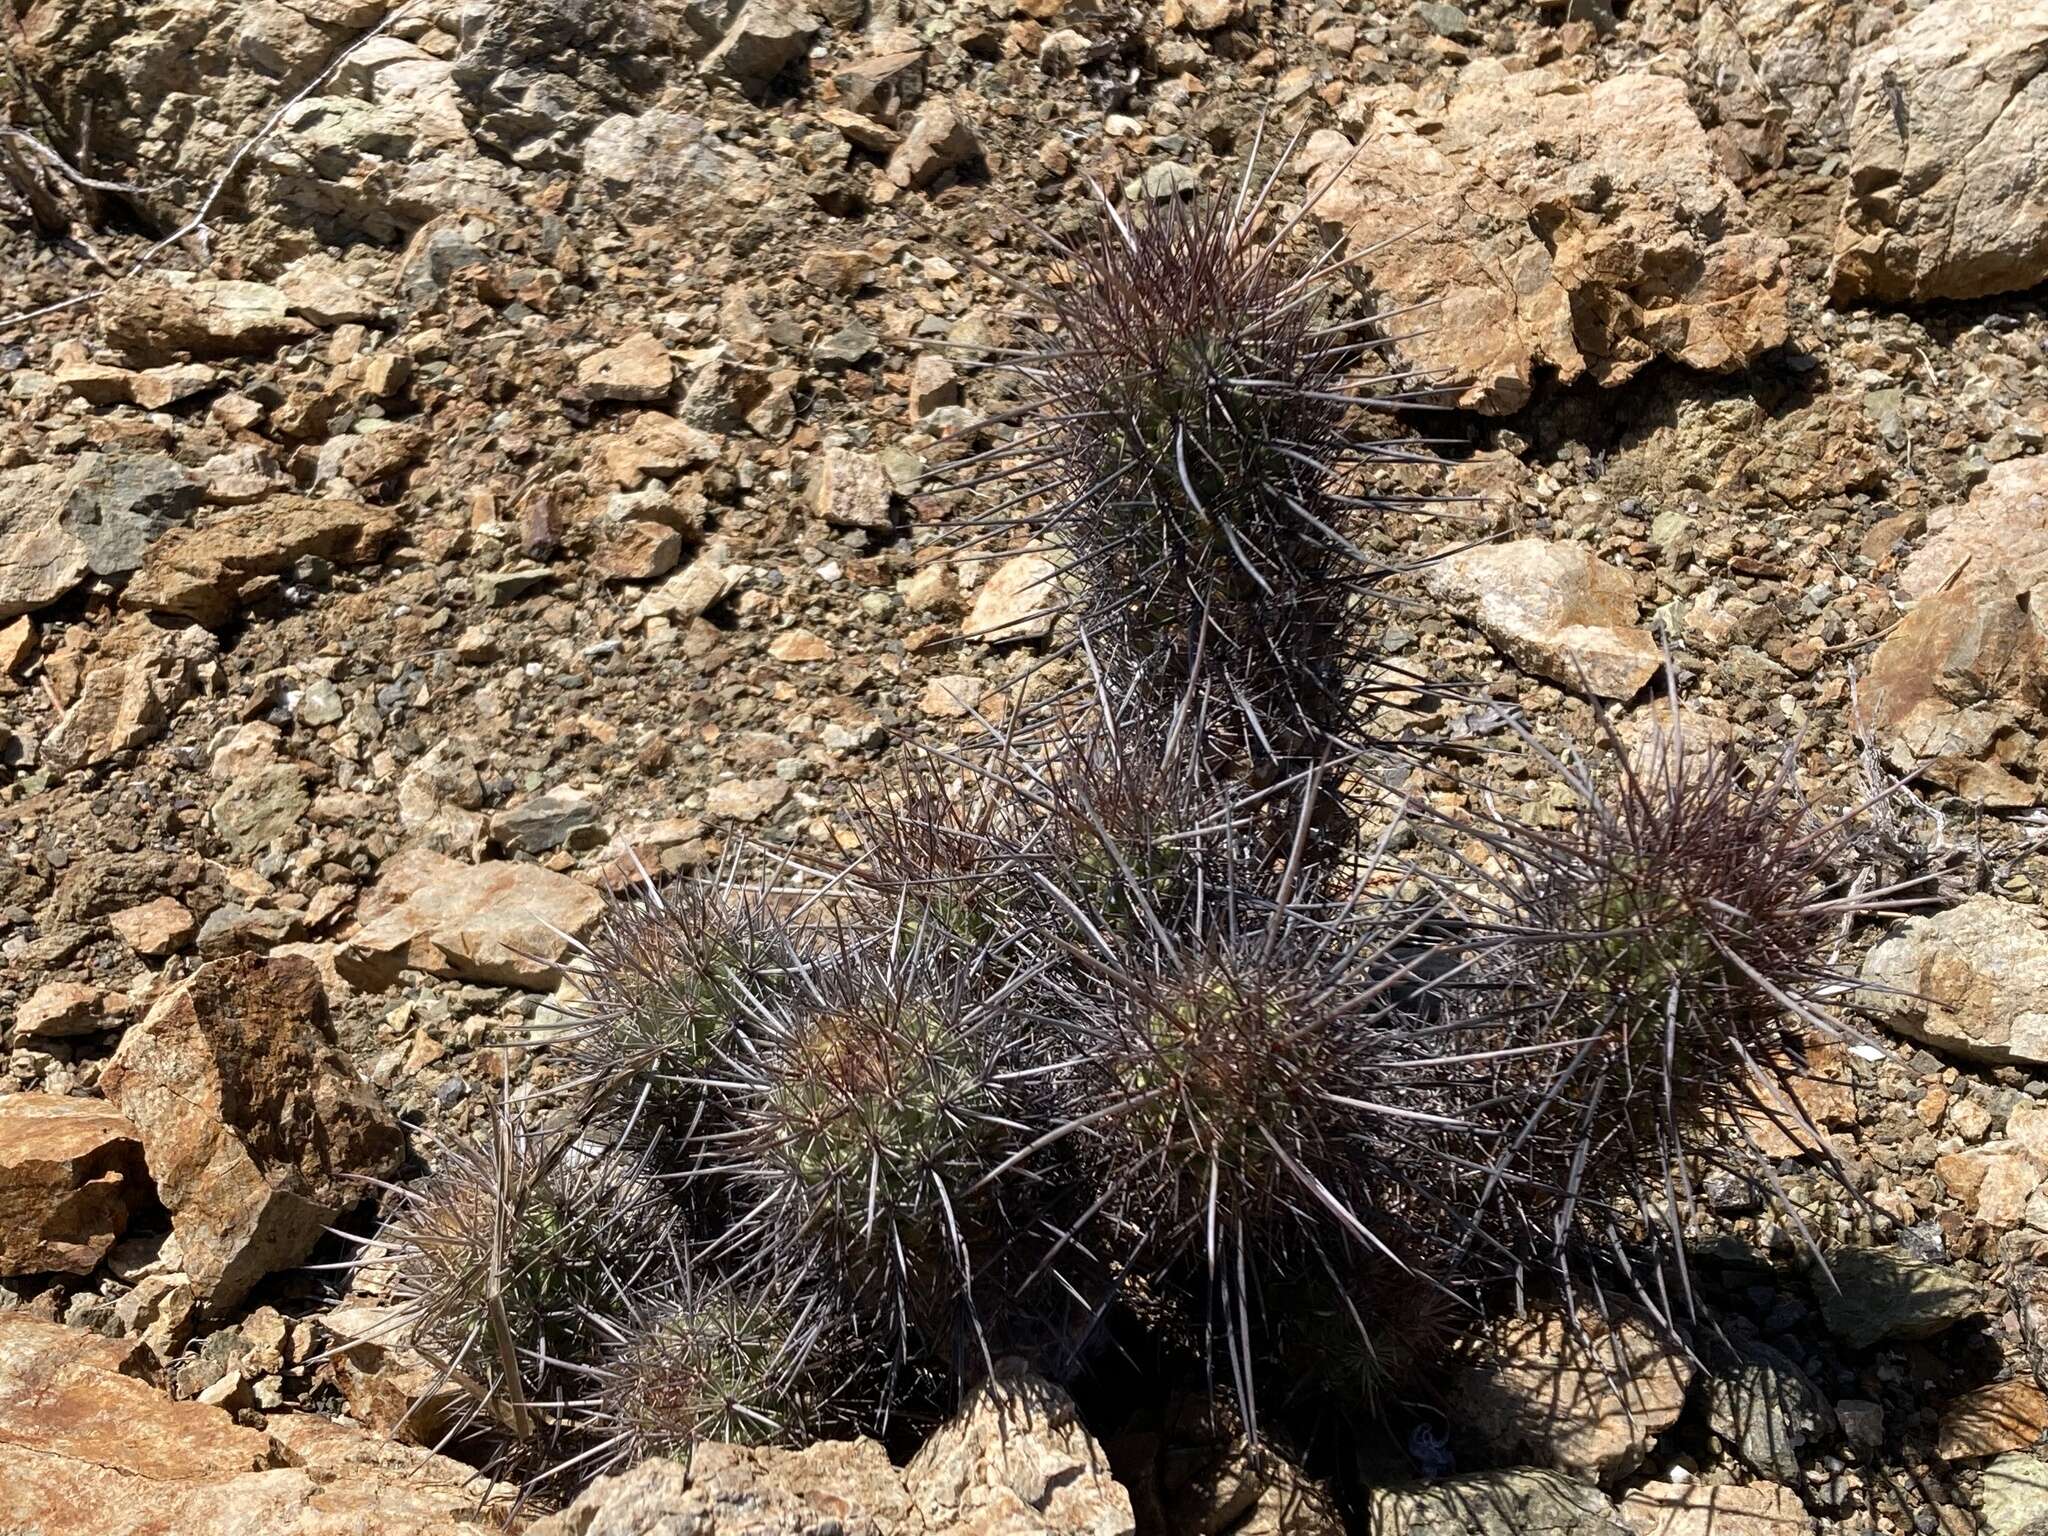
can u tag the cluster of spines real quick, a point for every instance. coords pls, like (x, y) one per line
(1135, 1014)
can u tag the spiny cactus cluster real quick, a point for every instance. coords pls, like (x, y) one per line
(1111, 1028)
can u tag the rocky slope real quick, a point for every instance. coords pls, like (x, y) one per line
(446, 448)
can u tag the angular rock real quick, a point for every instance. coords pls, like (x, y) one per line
(560, 818)
(256, 1128)
(71, 1174)
(1019, 600)
(116, 505)
(39, 559)
(58, 1009)
(883, 84)
(1766, 1411)
(765, 38)
(438, 797)
(499, 923)
(691, 591)
(1730, 1509)
(1019, 1466)
(1879, 1294)
(2001, 528)
(203, 574)
(263, 807)
(637, 369)
(153, 319)
(2013, 1495)
(1590, 1407)
(852, 490)
(89, 1448)
(746, 799)
(650, 444)
(1990, 1421)
(1522, 1502)
(940, 140)
(1956, 688)
(1767, 72)
(1972, 980)
(636, 550)
(1948, 158)
(149, 671)
(1555, 609)
(648, 162)
(1583, 229)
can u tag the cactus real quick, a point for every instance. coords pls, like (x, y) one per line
(505, 1258)
(1188, 440)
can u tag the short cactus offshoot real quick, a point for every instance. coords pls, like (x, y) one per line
(1667, 945)
(1118, 1025)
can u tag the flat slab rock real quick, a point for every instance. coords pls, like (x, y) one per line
(1522, 1501)
(1588, 1402)
(1556, 609)
(1880, 1294)
(205, 574)
(1019, 1463)
(500, 922)
(90, 1448)
(1581, 229)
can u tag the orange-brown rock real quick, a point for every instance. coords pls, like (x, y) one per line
(88, 1447)
(71, 1174)
(255, 1125)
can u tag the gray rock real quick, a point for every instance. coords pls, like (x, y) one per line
(260, 808)
(536, 78)
(1445, 20)
(765, 38)
(1881, 1294)
(115, 505)
(1519, 1502)
(1765, 1412)
(562, 818)
(2013, 1496)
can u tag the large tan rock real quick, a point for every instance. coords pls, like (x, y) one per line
(1587, 1400)
(90, 1448)
(499, 922)
(204, 574)
(71, 1173)
(255, 1126)
(39, 558)
(1018, 1464)
(1972, 980)
(141, 673)
(1554, 608)
(153, 319)
(1956, 689)
(1948, 157)
(1734, 1509)
(1581, 229)
(2001, 528)
(1019, 601)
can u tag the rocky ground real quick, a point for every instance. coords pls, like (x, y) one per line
(446, 448)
